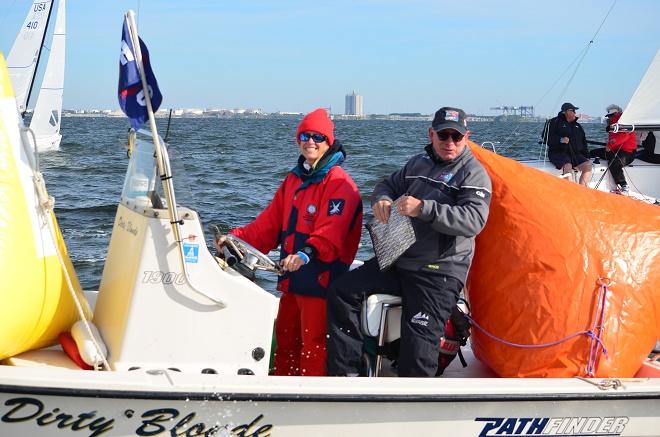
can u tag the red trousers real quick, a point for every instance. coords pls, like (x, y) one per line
(300, 330)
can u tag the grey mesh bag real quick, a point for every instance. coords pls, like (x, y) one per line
(391, 240)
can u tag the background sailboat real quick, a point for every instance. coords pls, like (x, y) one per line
(24, 56)
(48, 111)
(642, 114)
(23, 62)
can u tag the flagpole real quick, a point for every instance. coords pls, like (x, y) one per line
(163, 167)
(132, 29)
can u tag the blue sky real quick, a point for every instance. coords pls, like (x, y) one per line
(400, 55)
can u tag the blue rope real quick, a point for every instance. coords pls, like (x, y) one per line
(594, 333)
(588, 333)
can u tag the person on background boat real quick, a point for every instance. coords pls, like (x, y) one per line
(567, 143)
(446, 192)
(647, 140)
(620, 149)
(316, 218)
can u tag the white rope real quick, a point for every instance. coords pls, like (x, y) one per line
(46, 207)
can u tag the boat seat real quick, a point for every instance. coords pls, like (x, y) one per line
(379, 308)
(381, 318)
(42, 358)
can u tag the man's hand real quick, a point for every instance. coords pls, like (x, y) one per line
(292, 263)
(564, 140)
(409, 205)
(382, 210)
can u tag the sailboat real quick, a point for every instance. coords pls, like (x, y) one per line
(642, 114)
(23, 61)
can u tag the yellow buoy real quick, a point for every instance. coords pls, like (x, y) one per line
(36, 274)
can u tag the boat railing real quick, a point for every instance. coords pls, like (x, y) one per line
(492, 145)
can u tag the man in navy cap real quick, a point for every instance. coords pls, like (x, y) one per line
(567, 143)
(446, 193)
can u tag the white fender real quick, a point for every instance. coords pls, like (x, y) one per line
(86, 347)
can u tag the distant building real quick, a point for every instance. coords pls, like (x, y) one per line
(354, 105)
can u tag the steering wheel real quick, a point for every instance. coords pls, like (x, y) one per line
(252, 257)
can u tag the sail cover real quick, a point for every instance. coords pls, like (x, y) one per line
(643, 110)
(535, 285)
(24, 54)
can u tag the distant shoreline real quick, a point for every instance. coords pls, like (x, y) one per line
(471, 119)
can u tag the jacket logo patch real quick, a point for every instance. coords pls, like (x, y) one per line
(446, 176)
(481, 194)
(421, 319)
(310, 213)
(336, 206)
(451, 116)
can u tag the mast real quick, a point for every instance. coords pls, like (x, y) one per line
(36, 68)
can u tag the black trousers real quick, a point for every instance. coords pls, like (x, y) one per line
(427, 301)
(616, 162)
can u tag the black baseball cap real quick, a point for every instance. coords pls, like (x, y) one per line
(566, 106)
(450, 118)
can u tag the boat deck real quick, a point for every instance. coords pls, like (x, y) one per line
(54, 357)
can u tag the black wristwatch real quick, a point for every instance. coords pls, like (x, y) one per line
(309, 251)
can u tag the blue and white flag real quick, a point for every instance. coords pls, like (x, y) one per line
(130, 92)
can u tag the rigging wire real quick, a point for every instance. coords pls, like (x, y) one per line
(577, 61)
(585, 51)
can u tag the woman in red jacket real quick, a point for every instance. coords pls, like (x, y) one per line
(316, 219)
(620, 150)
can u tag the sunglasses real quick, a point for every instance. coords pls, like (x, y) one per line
(444, 136)
(317, 138)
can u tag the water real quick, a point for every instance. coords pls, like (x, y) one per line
(228, 170)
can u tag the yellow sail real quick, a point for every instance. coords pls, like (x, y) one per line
(36, 274)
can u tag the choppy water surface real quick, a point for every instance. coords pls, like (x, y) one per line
(228, 169)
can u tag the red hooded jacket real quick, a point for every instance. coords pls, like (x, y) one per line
(626, 141)
(324, 212)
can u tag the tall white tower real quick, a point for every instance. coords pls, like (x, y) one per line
(354, 105)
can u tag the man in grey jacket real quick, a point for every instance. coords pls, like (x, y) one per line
(446, 192)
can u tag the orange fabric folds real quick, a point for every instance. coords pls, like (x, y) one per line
(534, 279)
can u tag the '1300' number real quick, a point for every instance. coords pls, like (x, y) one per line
(158, 277)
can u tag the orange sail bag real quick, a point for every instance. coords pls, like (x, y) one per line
(555, 263)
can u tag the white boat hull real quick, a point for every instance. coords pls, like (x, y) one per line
(45, 144)
(642, 177)
(56, 402)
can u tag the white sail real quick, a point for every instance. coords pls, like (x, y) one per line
(48, 111)
(643, 110)
(24, 55)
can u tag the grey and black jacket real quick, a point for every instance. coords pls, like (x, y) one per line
(456, 197)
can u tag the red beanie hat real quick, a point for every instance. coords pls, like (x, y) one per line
(317, 121)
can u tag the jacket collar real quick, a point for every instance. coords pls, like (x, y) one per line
(335, 155)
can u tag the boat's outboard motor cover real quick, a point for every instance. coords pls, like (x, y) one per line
(536, 273)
